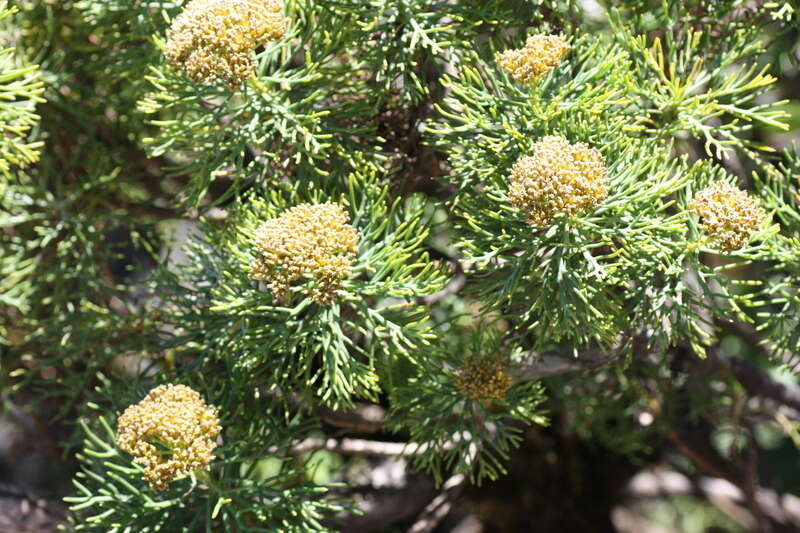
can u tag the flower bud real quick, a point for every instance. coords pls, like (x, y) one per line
(171, 432)
(558, 179)
(483, 378)
(540, 54)
(729, 214)
(308, 239)
(215, 39)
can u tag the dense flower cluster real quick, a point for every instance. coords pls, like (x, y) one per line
(308, 239)
(558, 179)
(483, 378)
(539, 55)
(215, 39)
(171, 432)
(729, 214)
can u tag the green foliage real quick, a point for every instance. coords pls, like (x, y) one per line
(229, 497)
(20, 91)
(332, 353)
(457, 433)
(778, 186)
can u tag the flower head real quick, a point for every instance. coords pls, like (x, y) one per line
(729, 214)
(215, 39)
(539, 55)
(483, 377)
(558, 179)
(308, 239)
(171, 432)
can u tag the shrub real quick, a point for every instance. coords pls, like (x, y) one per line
(472, 217)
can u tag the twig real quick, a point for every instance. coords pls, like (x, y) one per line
(435, 511)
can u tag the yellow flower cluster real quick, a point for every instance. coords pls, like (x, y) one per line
(215, 39)
(308, 239)
(558, 179)
(729, 214)
(171, 432)
(483, 378)
(539, 55)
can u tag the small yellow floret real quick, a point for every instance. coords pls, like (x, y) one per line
(308, 239)
(558, 179)
(729, 214)
(215, 39)
(483, 378)
(171, 432)
(539, 55)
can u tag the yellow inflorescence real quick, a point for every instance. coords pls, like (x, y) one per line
(308, 239)
(539, 55)
(729, 214)
(215, 39)
(558, 179)
(483, 378)
(171, 432)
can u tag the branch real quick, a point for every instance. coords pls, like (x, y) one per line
(703, 458)
(553, 365)
(380, 507)
(435, 511)
(355, 447)
(755, 380)
(781, 508)
(751, 337)
(365, 418)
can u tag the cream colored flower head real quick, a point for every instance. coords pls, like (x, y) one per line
(215, 40)
(308, 239)
(540, 54)
(558, 179)
(171, 433)
(729, 214)
(483, 378)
